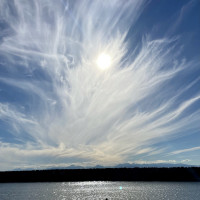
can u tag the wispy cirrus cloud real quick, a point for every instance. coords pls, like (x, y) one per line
(65, 108)
(186, 150)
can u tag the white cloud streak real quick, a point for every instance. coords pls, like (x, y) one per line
(186, 150)
(70, 108)
(155, 161)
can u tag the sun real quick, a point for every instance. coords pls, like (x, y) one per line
(104, 61)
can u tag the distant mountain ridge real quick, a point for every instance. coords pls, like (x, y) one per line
(133, 165)
(123, 165)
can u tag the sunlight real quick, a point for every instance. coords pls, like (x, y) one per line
(104, 61)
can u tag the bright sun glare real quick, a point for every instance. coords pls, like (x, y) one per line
(104, 61)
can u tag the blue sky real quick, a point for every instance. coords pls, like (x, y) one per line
(99, 82)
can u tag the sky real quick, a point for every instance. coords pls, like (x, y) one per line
(99, 82)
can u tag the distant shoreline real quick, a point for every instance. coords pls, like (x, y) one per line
(107, 174)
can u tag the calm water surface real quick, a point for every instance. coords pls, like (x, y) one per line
(100, 190)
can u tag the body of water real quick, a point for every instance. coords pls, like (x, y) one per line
(100, 190)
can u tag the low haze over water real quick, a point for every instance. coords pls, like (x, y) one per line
(100, 190)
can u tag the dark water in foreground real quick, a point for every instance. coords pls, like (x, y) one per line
(100, 190)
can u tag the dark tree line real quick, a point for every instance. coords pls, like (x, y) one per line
(108, 174)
